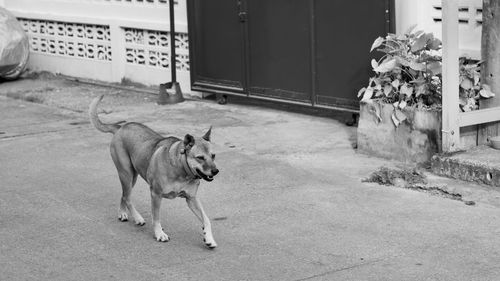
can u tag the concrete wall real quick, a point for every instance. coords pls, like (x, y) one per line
(107, 40)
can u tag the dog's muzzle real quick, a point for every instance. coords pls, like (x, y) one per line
(207, 177)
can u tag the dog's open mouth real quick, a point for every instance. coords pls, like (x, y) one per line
(203, 176)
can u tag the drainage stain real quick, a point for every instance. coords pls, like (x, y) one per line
(414, 180)
(386, 176)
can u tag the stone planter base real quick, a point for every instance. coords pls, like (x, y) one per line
(415, 140)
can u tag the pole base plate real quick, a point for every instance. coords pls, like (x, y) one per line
(170, 98)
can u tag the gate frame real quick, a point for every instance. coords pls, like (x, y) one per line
(452, 119)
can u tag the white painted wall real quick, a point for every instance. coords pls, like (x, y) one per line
(424, 13)
(106, 40)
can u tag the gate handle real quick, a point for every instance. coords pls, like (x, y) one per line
(242, 15)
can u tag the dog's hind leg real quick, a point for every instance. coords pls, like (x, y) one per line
(128, 177)
(195, 205)
(128, 180)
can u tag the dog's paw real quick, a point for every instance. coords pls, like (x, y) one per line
(140, 221)
(210, 244)
(123, 217)
(208, 239)
(162, 237)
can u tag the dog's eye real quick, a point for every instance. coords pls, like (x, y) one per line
(200, 158)
(213, 156)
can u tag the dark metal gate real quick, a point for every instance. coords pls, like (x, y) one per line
(313, 52)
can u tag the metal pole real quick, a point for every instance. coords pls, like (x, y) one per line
(176, 95)
(173, 66)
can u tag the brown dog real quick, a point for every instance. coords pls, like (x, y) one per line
(172, 167)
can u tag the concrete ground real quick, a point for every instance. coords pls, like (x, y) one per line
(289, 203)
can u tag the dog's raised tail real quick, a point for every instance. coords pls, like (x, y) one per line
(106, 128)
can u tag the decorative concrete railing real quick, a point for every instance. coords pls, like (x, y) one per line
(106, 40)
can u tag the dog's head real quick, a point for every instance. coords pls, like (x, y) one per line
(200, 157)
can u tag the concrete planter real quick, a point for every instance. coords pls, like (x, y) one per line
(415, 140)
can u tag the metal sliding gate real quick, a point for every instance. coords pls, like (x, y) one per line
(312, 52)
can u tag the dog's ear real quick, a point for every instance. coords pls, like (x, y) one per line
(207, 134)
(188, 141)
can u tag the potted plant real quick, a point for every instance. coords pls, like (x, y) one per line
(400, 114)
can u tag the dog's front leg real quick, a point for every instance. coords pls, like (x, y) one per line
(155, 210)
(195, 205)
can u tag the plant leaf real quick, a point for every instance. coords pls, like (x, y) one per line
(421, 89)
(403, 61)
(434, 44)
(486, 92)
(387, 89)
(434, 67)
(402, 104)
(370, 81)
(377, 43)
(466, 84)
(421, 42)
(417, 33)
(386, 66)
(477, 76)
(470, 104)
(368, 94)
(374, 64)
(361, 91)
(406, 89)
(417, 66)
(398, 117)
(419, 81)
(395, 83)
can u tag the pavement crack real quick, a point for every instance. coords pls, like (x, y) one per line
(36, 133)
(339, 270)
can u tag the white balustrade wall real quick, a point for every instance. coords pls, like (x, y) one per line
(106, 40)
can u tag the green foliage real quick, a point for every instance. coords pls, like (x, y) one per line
(409, 74)
(471, 89)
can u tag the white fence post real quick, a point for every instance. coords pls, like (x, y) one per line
(117, 52)
(451, 129)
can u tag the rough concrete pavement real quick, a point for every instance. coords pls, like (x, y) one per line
(288, 204)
